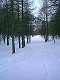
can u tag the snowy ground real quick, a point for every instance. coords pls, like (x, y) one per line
(37, 61)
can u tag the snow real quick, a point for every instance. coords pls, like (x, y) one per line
(37, 61)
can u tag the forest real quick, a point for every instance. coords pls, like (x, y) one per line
(18, 21)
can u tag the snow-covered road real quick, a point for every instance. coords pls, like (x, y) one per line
(37, 61)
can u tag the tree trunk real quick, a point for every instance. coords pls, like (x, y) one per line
(46, 38)
(0, 39)
(7, 40)
(54, 38)
(4, 38)
(23, 41)
(27, 39)
(13, 45)
(19, 41)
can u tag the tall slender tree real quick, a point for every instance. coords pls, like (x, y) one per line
(12, 14)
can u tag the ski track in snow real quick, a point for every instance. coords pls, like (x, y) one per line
(37, 61)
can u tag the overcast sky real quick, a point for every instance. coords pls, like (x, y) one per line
(37, 4)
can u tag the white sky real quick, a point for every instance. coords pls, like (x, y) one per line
(37, 5)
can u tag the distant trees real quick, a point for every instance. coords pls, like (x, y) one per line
(48, 15)
(44, 17)
(57, 20)
(54, 28)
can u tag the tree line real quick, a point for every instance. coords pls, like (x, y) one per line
(50, 17)
(15, 21)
